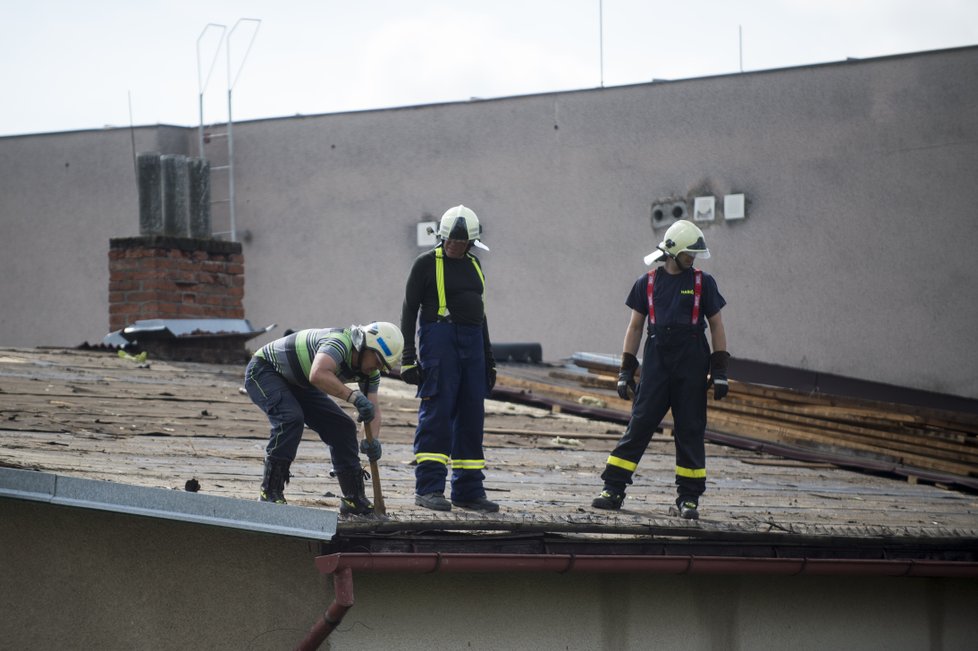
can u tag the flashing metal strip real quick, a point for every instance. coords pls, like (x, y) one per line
(279, 519)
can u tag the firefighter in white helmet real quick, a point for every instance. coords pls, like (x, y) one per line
(676, 302)
(453, 365)
(292, 378)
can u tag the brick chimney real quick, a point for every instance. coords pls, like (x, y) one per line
(164, 277)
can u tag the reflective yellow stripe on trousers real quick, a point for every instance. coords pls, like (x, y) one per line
(431, 456)
(630, 466)
(468, 464)
(693, 473)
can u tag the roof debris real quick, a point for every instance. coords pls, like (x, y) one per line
(93, 415)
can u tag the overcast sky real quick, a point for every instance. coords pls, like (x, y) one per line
(70, 64)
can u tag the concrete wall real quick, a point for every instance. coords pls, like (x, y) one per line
(77, 579)
(855, 258)
(62, 197)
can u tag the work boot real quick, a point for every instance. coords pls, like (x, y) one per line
(609, 499)
(274, 481)
(433, 501)
(477, 504)
(686, 508)
(354, 500)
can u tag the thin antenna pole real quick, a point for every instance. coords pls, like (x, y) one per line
(740, 28)
(202, 83)
(601, 37)
(132, 138)
(231, 83)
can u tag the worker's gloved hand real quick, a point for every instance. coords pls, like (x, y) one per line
(364, 407)
(410, 369)
(718, 374)
(371, 448)
(626, 376)
(490, 366)
(412, 374)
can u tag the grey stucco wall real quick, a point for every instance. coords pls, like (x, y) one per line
(77, 579)
(854, 258)
(62, 197)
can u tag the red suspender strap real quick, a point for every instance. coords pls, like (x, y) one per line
(650, 286)
(697, 295)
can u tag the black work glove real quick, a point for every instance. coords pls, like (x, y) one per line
(371, 448)
(718, 374)
(364, 407)
(626, 376)
(490, 366)
(411, 372)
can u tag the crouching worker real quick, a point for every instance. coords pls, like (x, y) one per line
(292, 378)
(675, 302)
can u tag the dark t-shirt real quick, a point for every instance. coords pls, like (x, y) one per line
(673, 297)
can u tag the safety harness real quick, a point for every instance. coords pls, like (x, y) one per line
(697, 293)
(440, 279)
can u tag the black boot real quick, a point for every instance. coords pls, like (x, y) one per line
(686, 507)
(354, 498)
(610, 499)
(274, 481)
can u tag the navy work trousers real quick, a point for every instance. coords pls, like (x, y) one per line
(290, 407)
(452, 411)
(674, 369)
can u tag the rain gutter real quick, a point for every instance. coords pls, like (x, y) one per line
(341, 566)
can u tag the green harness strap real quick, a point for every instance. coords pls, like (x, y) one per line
(440, 279)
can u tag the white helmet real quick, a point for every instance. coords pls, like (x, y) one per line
(682, 237)
(381, 336)
(461, 223)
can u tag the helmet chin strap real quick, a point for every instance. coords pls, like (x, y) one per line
(679, 265)
(360, 354)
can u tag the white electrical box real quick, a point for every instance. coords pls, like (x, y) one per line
(426, 238)
(704, 209)
(733, 207)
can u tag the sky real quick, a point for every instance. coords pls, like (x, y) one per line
(67, 65)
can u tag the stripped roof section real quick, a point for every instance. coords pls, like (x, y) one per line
(96, 416)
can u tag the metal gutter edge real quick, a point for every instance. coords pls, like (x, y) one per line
(564, 563)
(162, 503)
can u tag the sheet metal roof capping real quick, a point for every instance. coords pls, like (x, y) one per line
(94, 416)
(219, 341)
(185, 506)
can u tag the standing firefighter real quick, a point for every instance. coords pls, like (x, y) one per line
(677, 301)
(291, 380)
(453, 366)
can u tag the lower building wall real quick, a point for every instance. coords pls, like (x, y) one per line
(86, 579)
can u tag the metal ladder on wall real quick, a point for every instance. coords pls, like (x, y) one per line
(211, 136)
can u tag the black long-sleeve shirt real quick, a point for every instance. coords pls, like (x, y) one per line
(463, 295)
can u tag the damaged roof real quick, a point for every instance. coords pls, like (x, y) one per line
(95, 415)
